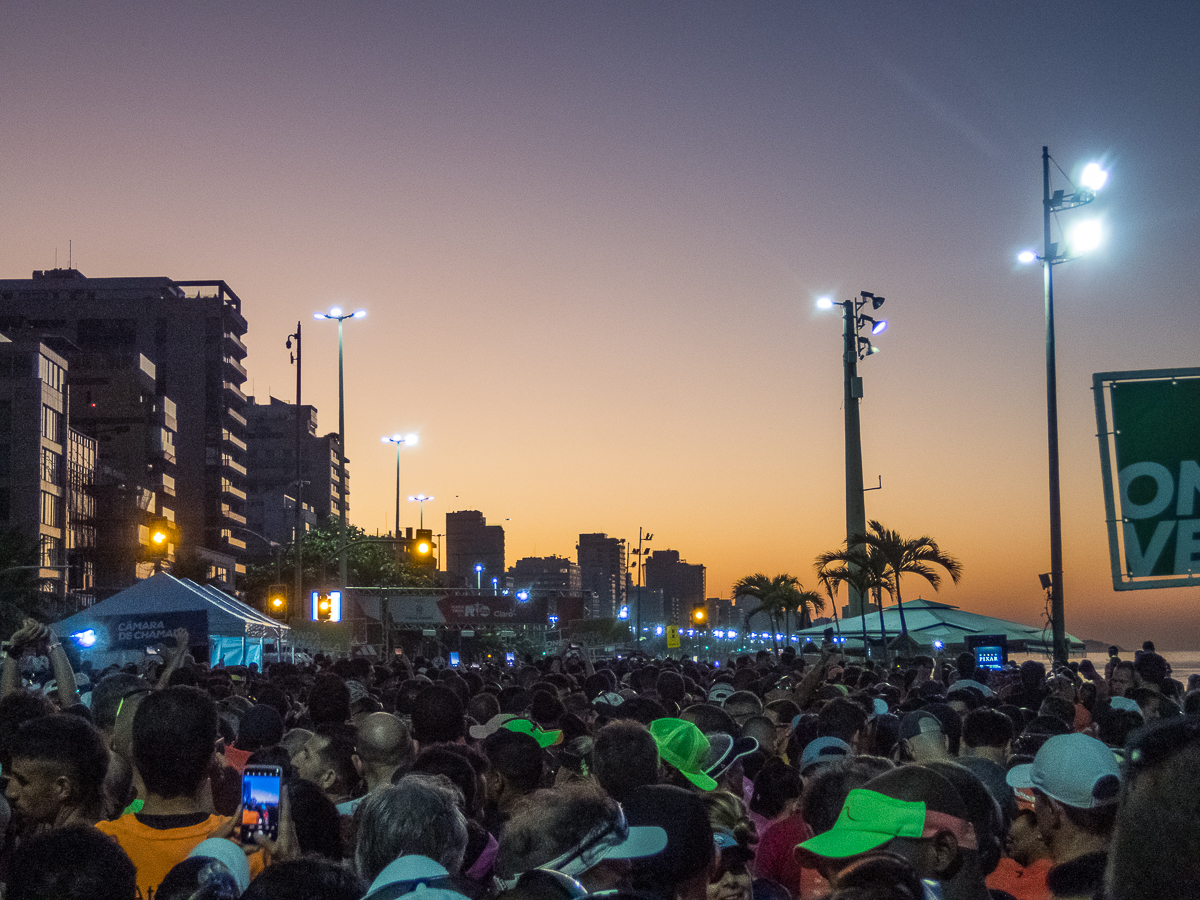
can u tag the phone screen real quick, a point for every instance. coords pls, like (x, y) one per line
(454, 658)
(261, 787)
(510, 658)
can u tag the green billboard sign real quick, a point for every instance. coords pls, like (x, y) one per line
(1148, 423)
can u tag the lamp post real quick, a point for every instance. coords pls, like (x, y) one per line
(479, 576)
(855, 348)
(420, 498)
(409, 440)
(641, 566)
(335, 314)
(1086, 238)
(299, 483)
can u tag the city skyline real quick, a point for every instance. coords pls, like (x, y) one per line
(589, 241)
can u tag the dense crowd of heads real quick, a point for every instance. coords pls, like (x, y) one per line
(767, 777)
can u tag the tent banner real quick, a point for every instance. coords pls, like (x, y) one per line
(137, 631)
(1148, 424)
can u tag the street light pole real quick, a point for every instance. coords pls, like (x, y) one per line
(1058, 622)
(338, 316)
(854, 348)
(641, 564)
(398, 440)
(420, 498)
(298, 539)
(1052, 202)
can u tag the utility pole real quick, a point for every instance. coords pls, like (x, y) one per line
(298, 537)
(1050, 251)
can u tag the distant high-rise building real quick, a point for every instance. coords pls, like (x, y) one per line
(602, 568)
(682, 584)
(273, 491)
(471, 542)
(545, 573)
(192, 332)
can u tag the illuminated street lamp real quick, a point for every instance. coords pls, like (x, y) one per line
(420, 498)
(855, 347)
(407, 440)
(479, 576)
(1086, 236)
(335, 314)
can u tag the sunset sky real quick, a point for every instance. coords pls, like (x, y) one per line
(589, 237)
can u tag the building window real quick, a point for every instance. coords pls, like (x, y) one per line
(51, 373)
(51, 509)
(51, 424)
(50, 467)
(50, 547)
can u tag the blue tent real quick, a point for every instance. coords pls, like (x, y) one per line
(236, 632)
(930, 621)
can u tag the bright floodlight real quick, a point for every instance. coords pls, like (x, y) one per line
(1094, 176)
(879, 326)
(335, 311)
(824, 303)
(359, 313)
(411, 439)
(1086, 236)
(1026, 256)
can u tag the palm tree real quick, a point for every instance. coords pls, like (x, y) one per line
(781, 595)
(915, 556)
(865, 570)
(759, 587)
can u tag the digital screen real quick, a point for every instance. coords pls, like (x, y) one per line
(454, 658)
(989, 657)
(510, 658)
(260, 804)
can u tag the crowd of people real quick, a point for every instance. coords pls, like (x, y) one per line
(767, 777)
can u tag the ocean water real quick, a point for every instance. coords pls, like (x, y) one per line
(1183, 662)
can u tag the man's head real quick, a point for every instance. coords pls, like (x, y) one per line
(1151, 670)
(75, 863)
(58, 766)
(327, 760)
(913, 812)
(1076, 783)
(741, 705)
(578, 830)
(986, 728)
(624, 757)
(923, 738)
(842, 719)
(516, 762)
(174, 737)
(419, 815)
(384, 745)
(681, 871)
(1120, 681)
(438, 716)
(108, 694)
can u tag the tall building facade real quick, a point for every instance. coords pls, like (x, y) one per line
(602, 569)
(34, 439)
(192, 332)
(682, 584)
(535, 573)
(471, 542)
(273, 489)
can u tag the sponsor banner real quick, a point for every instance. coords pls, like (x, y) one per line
(467, 608)
(138, 631)
(1149, 429)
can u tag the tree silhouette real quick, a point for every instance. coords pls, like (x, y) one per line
(863, 569)
(913, 556)
(778, 597)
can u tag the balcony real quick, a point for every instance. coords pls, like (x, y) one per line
(235, 345)
(236, 366)
(235, 390)
(236, 416)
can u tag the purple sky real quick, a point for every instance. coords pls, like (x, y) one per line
(589, 237)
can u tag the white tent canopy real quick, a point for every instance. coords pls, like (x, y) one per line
(236, 631)
(929, 621)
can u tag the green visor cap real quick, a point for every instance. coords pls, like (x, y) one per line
(684, 746)
(868, 820)
(524, 726)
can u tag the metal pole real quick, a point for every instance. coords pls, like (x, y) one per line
(298, 539)
(638, 625)
(856, 513)
(398, 489)
(342, 576)
(1049, 251)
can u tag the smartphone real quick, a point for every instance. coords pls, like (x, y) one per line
(261, 787)
(510, 658)
(454, 659)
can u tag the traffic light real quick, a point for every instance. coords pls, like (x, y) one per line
(327, 606)
(422, 548)
(161, 534)
(699, 614)
(277, 605)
